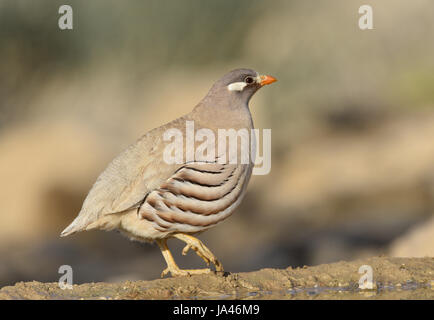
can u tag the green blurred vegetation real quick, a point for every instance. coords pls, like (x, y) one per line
(141, 36)
(323, 61)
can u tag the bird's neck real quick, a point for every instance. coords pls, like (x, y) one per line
(220, 115)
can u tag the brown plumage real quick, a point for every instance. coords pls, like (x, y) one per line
(148, 199)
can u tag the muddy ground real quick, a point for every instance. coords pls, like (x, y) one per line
(393, 278)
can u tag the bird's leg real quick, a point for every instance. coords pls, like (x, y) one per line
(172, 267)
(200, 249)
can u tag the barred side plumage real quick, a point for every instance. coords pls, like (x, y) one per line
(196, 197)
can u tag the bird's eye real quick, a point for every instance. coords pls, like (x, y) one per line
(249, 80)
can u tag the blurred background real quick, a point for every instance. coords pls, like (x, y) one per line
(352, 121)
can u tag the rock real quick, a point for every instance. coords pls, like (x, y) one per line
(418, 242)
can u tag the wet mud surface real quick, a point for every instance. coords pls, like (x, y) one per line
(393, 278)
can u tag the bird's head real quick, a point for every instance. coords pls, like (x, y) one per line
(241, 83)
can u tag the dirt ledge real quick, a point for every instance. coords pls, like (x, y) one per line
(398, 278)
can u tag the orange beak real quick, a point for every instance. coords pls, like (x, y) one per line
(267, 80)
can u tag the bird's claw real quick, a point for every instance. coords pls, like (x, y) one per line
(185, 250)
(165, 272)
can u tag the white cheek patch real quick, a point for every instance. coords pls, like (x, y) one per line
(237, 86)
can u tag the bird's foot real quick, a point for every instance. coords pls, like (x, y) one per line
(202, 251)
(176, 272)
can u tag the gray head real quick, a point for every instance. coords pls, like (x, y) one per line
(239, 84)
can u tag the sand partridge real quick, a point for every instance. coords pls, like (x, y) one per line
(149, 198)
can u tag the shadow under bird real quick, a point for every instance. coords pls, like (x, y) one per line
(148, 199)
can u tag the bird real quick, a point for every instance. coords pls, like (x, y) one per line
(150, 199)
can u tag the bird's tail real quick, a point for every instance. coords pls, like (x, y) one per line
(76, 226)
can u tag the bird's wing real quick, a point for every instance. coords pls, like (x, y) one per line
(127, 180)
(196, 197)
